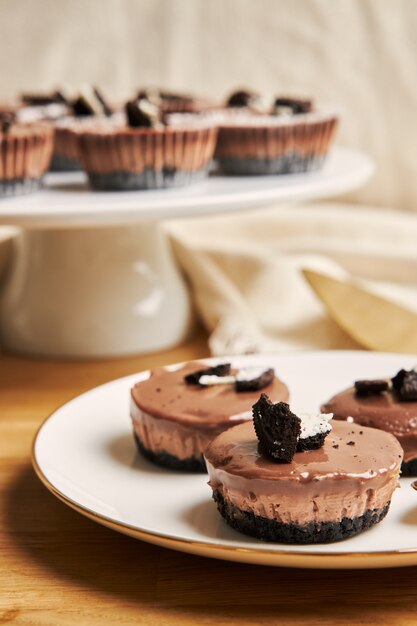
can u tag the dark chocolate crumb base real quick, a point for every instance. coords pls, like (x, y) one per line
(148, 179)
(19, 186)
(61, 163)
(409, 468)
(289, 163)
(164, 459)
(272, 530)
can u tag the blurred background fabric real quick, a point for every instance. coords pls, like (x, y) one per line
(246, 279)
(358, 54)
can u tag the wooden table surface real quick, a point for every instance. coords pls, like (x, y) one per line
(57, 567)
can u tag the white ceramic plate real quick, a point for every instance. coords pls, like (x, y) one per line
(85, 454)
(68, 201)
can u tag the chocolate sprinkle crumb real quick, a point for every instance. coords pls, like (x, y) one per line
(255, 384)
(336, 446)
(371, 387)
(277, 429)
(223, 369)
(404, 384)
(350, 443)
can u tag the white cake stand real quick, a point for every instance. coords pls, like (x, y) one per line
(92, 274)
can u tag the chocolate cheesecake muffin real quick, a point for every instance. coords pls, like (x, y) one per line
(295, 480)
(147, 149)
(25, 154)
(283, 136)
(176, 413)
(387, 404)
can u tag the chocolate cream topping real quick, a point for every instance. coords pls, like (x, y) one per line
(349, 451)
(383, 411)
(165, 395)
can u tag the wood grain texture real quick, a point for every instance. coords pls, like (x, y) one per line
(57, 567)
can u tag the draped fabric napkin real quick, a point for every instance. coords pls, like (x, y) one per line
(245, 271)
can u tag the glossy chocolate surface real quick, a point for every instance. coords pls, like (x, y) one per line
(383, 411)
(165, 395)
(348, 451)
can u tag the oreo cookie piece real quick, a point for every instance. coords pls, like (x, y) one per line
(253, 379)
(90, 102)
(311, 443)
(223, 369)
(39, 99)
(291, 106)
(158, 94)
(152, 95)
(277, 429)
(143, 113)
(170, 95)
(371, 387)
(241, 98)
(106, 108)
(314, 430)
(405, 385)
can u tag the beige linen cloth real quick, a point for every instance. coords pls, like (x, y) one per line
(244, 271)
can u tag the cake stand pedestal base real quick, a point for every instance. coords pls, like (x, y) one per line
(85, 292)
(93, 275)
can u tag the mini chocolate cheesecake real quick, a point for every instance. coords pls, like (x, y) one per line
(147, 149)
(25, 154)
(389, 405)
(176, 413)
(89, 103)
(261, 135)
(67, 112)
(323, 494)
